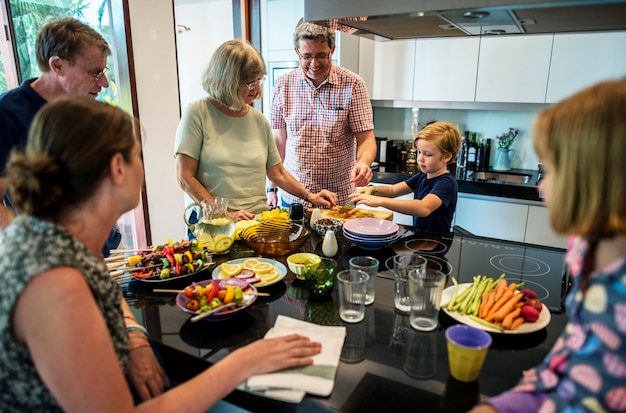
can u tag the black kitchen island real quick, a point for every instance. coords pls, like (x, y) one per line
(376, 379)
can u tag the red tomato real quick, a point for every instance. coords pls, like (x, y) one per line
(189, 292)
(221, 294)
(193, 305)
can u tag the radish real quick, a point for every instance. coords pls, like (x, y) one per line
(530, 313)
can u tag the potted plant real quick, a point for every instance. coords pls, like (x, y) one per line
(503, 161)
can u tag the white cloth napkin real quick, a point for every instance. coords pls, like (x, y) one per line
(318, 378)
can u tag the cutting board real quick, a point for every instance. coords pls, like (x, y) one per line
(358, 213)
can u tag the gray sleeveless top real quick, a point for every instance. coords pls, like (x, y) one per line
(28, 247)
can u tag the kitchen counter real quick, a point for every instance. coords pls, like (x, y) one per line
(378, 377)
(391, 174)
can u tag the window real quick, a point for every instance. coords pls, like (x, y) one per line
(22, 20)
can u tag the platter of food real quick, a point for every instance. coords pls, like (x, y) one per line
(161, 263)
(208, 295)
(259, 272)
(348, 212)
(156, 278)
(526, 327)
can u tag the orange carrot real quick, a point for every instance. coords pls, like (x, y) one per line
(512, 287)
(500, 288)
(487, 303)
(498, 303)
(507, 321)
(508, 307)
(517, 322)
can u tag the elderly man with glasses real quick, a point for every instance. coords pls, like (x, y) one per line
(322, 119)
(72, 59)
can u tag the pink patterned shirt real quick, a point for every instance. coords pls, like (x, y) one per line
(586, 368)
(320, 150)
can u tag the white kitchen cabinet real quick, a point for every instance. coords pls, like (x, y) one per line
(398, 218)
(539, 231)
(280, 22)
(582, 59)
(493, 219)
(500, 218)
(513, 68)
(445, 69)
(387, 68)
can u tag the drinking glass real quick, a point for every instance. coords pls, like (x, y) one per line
(352, 286)
(370, 266)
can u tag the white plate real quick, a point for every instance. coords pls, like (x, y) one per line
(542, 321)
(217, 272)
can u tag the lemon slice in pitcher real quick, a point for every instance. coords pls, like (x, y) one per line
(231, 269)
(222, 243)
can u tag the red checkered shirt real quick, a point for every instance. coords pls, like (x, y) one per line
(321, 121)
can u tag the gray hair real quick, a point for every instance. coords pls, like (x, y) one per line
(66, 38)
(312, 31)
(233, 63)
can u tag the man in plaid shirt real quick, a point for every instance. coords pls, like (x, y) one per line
(322, 120)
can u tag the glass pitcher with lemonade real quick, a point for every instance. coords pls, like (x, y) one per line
(213, 227)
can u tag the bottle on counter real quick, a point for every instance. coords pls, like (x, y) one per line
(461, 160)
(480, 155)
(487, 154)
(471, 152)
(411, 156)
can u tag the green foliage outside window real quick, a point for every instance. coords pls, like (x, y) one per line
(29, 16)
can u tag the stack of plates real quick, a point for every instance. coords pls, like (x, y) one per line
(370, 233)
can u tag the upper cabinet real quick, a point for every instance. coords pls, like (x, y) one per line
(582, 59)
(445, 69)
(280, 21)
(513, 68)
(387, 68)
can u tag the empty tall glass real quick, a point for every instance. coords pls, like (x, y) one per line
(352, 286)
(370, 266)
(402, 265)
(425, 290)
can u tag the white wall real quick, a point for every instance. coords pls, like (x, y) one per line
(211, 25)
(152, 28)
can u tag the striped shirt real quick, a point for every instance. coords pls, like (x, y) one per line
(321, 121)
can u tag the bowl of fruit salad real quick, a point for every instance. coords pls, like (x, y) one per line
(208, 295)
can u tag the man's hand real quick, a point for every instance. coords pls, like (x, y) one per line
(272, 199)
(361, 174)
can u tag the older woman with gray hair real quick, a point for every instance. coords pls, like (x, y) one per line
(224, 146)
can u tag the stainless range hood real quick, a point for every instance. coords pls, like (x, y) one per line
(409, 19)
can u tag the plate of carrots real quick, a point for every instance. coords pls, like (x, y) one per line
(495, 306)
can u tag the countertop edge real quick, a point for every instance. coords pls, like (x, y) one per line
(524, 192)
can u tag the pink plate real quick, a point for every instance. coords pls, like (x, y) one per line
(370, 226)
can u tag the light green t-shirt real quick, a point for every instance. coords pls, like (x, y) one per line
(233, 153)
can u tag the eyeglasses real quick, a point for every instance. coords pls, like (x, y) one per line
(255, 83)
(309, 57)
(95, 75)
